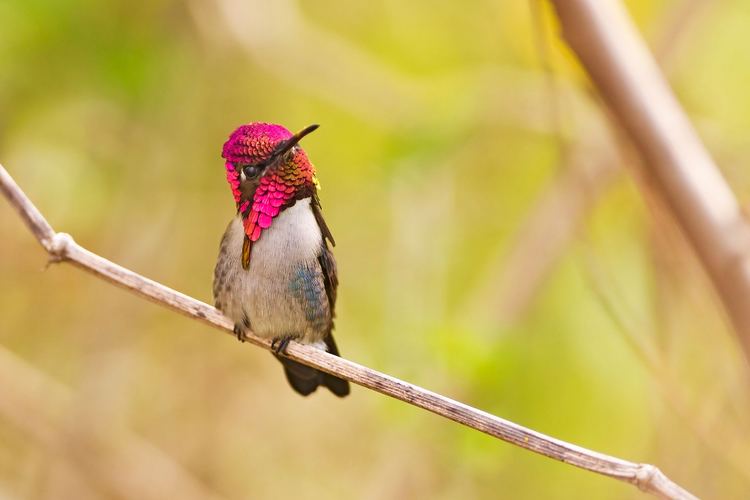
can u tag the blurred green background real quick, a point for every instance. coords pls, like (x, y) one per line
(496, 244)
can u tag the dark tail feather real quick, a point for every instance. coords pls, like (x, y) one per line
(339, 387)
(305, 380)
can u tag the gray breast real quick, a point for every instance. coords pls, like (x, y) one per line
(283, 292)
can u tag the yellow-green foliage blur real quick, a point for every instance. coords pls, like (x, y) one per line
(496, 244)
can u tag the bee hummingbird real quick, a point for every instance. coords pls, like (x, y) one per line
(275, 274)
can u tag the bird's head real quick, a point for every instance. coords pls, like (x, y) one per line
(268, 171)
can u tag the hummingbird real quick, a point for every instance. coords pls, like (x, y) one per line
(275, 274)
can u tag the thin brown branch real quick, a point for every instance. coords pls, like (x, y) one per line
(62, 247)
(685, 176)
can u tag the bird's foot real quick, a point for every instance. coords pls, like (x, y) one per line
(279, 345)
(239, 332)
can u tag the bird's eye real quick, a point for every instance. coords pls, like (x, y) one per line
(252, 171)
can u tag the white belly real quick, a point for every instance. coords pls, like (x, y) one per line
(262, 294)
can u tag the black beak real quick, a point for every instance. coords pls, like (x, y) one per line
(293, 140)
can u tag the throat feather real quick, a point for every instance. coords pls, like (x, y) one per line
(246, 247)
(276, 192)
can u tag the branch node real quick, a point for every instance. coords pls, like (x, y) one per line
(644, 476)
(58, 247)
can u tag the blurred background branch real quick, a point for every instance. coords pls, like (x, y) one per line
(590, 166)
(61, 247)
(683, 172)
(106, 460)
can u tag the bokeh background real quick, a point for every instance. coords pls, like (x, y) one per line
(496, 243)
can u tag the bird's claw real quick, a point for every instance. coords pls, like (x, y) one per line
(279, 345)
(239, 332)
